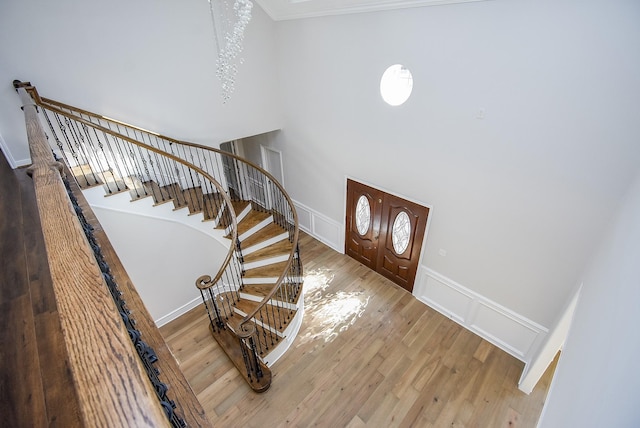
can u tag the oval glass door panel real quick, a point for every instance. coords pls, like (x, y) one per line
(401, 233)
(363, 215)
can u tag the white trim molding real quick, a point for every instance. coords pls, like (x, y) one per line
(504, 328)
(176, 313)
(321, 227)
(10, 159)
(282, 10)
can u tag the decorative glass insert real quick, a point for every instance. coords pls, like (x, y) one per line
(363, 215)
(401, 232)
(396, 85)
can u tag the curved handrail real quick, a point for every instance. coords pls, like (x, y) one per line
(203, 282)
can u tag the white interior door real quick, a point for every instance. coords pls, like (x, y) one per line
(272, 162)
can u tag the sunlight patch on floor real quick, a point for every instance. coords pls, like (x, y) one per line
(329, 313)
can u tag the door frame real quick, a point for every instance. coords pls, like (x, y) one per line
(266, 164)
(419, 273)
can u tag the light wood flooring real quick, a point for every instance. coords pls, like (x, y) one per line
(368, 354)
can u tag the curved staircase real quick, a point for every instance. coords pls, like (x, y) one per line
(254, 301)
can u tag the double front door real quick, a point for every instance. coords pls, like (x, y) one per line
(385, 232)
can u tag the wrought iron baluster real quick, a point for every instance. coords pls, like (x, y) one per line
(146, 354)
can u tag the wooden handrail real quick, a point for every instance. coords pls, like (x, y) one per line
(188, 407)
(112, 386)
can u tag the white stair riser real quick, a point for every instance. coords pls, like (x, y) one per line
(239, 218)
(270, 280)
(266, 262)
(263, 244)
(263, 325)
(255, 298)
(264, 223)
(216, 220)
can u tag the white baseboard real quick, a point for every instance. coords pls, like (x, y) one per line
(178, 312)
(511, 332)
(506, 329)
(324, 229)
(9, 156)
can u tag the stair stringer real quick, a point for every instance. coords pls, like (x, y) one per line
(147, 208)
(286, 337)
(290, 334)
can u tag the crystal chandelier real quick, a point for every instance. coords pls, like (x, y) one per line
(229, 23)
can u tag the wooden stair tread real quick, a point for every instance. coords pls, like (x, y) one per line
(238, 207)
(287, 314)
(268, 271)
(85, 176)
(246, 305)
(137, 189)
(113, 187)
(262, 235)
(111, 183)
(211, 205)
(160, 195)
(229, 344)
(261, 290)
(253, 218)
(176, 194)
(282, 247)
(194, 198)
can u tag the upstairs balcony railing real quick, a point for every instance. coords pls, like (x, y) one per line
(113, 384)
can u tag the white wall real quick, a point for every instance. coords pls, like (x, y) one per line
(597, 380)
(150, 63)
(163, 250)
(520, 197)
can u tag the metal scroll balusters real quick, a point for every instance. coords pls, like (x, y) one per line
(145, 352)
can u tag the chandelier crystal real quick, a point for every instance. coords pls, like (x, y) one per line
(229, 23)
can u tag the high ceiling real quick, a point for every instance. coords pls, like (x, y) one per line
(280, 10)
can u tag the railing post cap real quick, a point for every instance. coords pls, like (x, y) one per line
(20, 84)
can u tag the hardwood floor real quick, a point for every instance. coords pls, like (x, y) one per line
(368, 354)
(36, 388)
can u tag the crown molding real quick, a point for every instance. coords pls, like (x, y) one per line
(283, 10)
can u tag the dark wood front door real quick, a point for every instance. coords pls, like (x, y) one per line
(363, 247)
(384, 232)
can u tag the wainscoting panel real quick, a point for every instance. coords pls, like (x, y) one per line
(305, 218)
(510, 333)
(448, 300)
(504, 328)
(321, 227)
(507, 330)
